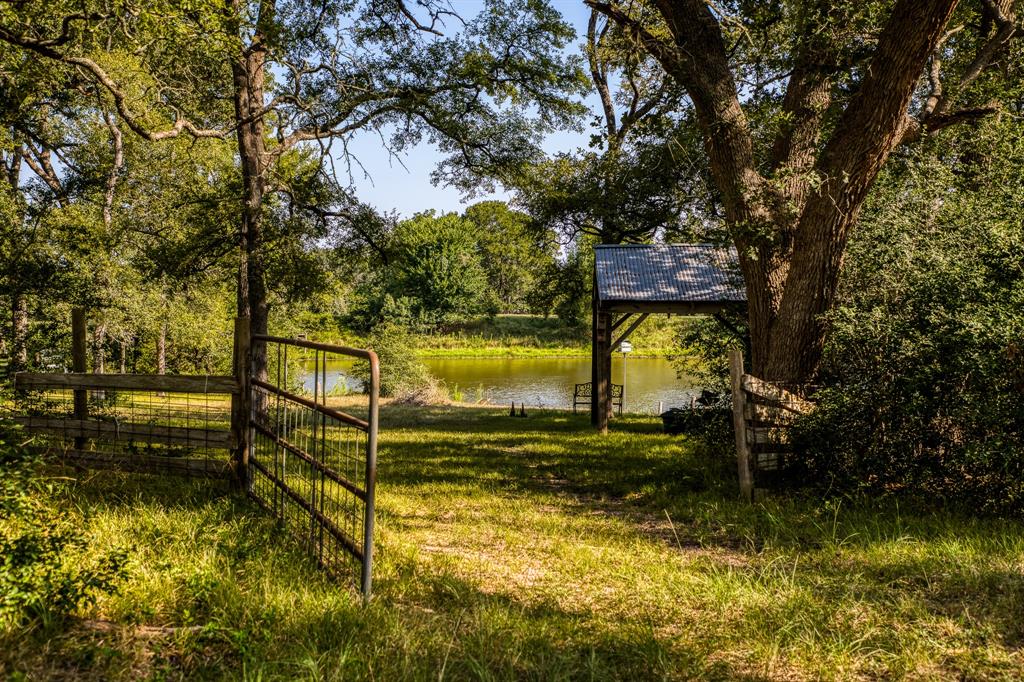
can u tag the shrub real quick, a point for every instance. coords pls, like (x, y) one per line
(46, 571)
(709, 419)
(401, 371)
(923, 368)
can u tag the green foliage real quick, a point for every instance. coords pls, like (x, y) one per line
(513, 253)
(438, 267)
(401, 371)
(565, 286)
(438, 271)
(703, 345)
(46, 572)
(925, 353)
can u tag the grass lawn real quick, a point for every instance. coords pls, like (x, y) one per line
(533, 549)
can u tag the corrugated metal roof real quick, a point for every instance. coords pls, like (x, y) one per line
(668, 273)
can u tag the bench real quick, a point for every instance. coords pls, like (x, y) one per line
(582, 393)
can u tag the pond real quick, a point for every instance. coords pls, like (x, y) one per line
(545, 382)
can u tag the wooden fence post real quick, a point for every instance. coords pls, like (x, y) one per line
(739, 422)
(240, 404)
(79, 365)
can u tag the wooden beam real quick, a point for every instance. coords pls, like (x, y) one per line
(625, 335)
(241, 403)
(618, 322)
(126, 382)
(675, 308)
(78, 364)
(115, 431)
(769, 415)
(601, 366)
(775, 395)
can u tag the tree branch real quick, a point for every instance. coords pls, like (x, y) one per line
(115, 169)
(598, 75)
(100, 75)
(434, 18)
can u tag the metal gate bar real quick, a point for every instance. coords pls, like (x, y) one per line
(312, 465)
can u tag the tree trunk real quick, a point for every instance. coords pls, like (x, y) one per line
(866, 133)
(791, 233)
(19, 332)
(249, 75)
(161, 349)
(99, 350)
(123, 355)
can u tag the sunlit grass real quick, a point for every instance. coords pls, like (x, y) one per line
(534, 549)
(527, 336)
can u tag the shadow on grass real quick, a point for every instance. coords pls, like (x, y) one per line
(818, 579)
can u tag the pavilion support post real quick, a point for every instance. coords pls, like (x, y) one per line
(601, 367)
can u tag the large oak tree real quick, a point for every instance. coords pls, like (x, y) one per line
(800, 105)
(304, 73)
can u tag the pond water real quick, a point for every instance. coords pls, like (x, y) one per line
(544, 382)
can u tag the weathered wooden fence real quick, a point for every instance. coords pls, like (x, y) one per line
(763, 414)
(148, 423)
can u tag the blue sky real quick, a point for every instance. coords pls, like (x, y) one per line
(407, 190)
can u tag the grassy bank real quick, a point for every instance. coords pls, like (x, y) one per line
(534, 336)
(534, 549)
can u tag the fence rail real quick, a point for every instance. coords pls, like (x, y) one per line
(763, 413)
(138, 423)
(314, 465)
(128, 382)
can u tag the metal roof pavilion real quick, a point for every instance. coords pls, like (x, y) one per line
(634, 281)
(667, 278)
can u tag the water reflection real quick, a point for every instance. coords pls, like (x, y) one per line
(542, 382)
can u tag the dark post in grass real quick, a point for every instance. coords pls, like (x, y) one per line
(601, 368)
(240, 404)
(739, 423)
(79, 366)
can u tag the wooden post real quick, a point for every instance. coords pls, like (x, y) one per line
(739, 423)
(79, 365)
(595, 355)
(240, 404)
(600, 367)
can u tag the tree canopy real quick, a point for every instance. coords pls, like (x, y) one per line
(799, 105)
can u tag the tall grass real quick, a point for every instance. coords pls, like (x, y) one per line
(534, 549)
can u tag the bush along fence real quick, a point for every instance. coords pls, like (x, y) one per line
(763, 414)
(267, 427)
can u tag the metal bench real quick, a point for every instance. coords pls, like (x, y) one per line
(582, 392)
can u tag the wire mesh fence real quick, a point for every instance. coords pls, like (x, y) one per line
(312, 464)
(305, 454)
(152, 424)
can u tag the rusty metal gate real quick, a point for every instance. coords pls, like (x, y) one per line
(311, 461)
